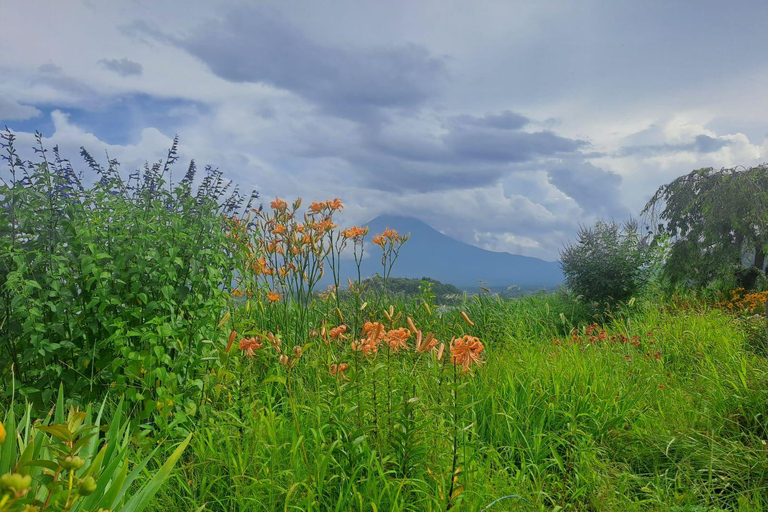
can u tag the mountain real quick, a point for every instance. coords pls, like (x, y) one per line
(430, 253)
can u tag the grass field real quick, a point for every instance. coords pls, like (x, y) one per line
(662, 407)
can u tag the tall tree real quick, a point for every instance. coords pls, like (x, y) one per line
(714, 219)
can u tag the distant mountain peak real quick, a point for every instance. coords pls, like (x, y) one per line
(436, 255)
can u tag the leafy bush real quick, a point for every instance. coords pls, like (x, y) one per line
(608, 263)
(65, 464)
(404, 287)
(114, 283)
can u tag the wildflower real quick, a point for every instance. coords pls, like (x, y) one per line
(316, 207)
(338, 332)
(232, 336)
(440, 351)
(283, 359)
(273, 296)
(339, 369)
(237, 292)
(396, 339)
(354, 232)
(373, 329)
(2, 433)
(334, 204)
(223, 320)
(275, 341)
(388, 236)
(325, 225)
(375, 334)
(278, 204)
(466, 351)
(278, 230)
(298, 351)
(249, 345)
(411, 324)
(426, 345)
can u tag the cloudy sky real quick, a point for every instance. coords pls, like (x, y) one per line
(503, 124)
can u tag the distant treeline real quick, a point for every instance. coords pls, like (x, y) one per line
(406, 287)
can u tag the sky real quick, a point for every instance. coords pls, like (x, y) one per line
(503, 124)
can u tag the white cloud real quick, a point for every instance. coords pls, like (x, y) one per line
(634, 108)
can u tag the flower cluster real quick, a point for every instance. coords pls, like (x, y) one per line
(389, 237)
(282, 250)
(593, 334)
(250, 345)
(746, 303)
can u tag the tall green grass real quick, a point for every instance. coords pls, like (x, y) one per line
(675, 421)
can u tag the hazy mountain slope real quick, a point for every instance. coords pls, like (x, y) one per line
(429, 253)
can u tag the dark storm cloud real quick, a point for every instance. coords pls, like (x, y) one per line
(123, 67)
(508, 146)
(392, 174)
(701, 144)
(594, 189)
(506, 120)
(473, 152)
(250, 45)
(50, 68)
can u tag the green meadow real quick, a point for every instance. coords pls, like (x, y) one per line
(168, 346)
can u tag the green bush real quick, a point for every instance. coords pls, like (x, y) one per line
(113, 283)
(65, 463)
(608, 263)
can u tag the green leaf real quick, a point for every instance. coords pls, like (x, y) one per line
(8, 450)
(141, 499)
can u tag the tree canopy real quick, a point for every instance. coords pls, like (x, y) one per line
(716, 220)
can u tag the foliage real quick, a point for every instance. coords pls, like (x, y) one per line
(68, 465)
(369, 401)
(352, 349)
(714, 218)
(608, 263)
(113, 284)
(405, 287)
(652, 409)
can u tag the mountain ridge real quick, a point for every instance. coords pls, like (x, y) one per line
(436, 255)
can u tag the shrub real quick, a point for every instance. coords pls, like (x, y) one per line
(116, 283)
(67, 464)
(608, 263)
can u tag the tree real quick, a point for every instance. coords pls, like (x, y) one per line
(714, 219)
(608, 263)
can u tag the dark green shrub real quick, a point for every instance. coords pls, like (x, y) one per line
(113, 284)
(608, 263)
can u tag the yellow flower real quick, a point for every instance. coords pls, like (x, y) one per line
(2, 433)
